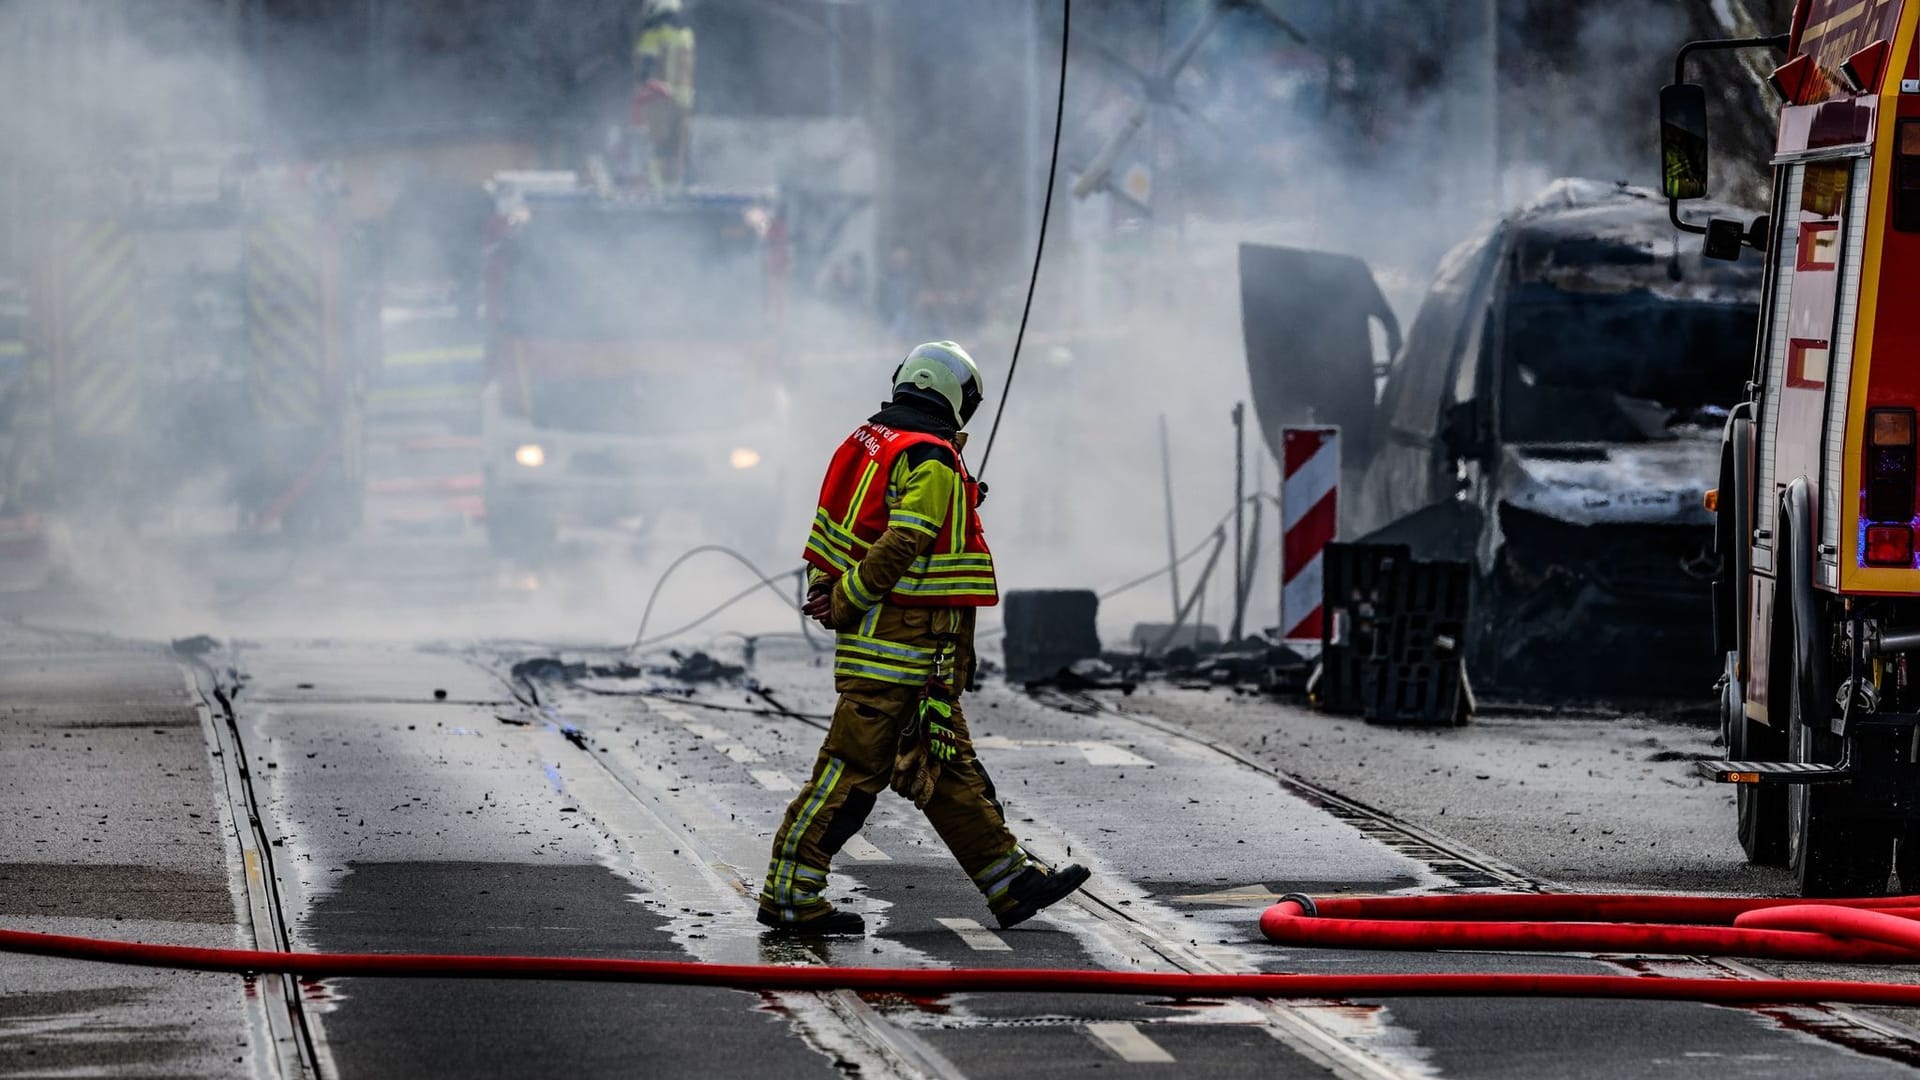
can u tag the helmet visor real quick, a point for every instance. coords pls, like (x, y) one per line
(970, 398)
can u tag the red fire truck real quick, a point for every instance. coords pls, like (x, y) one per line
(631, 362)
(1818, 603)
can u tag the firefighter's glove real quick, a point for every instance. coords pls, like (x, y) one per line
(943, 743)
(915, 772)
(927, 742)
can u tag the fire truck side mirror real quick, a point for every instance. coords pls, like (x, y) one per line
(1683, 141)
(1760, 233)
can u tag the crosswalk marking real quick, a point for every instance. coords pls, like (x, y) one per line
(1098, 753)
(858, 849)
(1127, 1041)
(774, 780)
(1095, 751)
(977, 937)
(745, 755)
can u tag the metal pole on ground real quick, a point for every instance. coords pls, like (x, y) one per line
(1239, 518)
(1173, 545)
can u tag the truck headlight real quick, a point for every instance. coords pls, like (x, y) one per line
(744, 458)
(531, 455)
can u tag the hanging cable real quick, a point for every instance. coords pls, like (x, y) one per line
(1040, 242)
(640, 643)
(640, 639)
(1144, 579)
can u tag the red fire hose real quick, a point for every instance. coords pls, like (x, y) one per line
(1871, 931)
(1880, 930)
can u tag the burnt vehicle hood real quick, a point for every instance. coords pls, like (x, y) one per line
(1653, 483)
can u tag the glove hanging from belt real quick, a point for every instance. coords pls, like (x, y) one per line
(927, 739)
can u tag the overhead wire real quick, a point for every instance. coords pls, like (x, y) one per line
(1214, 535)
(1040, 242)
(640, 639)
(766, 581)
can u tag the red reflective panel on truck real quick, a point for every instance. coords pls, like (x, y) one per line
(1889, 545)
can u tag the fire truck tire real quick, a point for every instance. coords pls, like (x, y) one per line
(1761, 808)
(1831, 853)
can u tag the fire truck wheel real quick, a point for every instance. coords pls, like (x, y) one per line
(1762, 808)
(1831, 855)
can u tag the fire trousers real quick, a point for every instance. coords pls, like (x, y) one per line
(854, 767)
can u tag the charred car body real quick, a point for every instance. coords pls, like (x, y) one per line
(1553, 416)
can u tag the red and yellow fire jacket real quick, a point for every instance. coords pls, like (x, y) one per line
(898, 529)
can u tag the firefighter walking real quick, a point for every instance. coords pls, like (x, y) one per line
(898, 567)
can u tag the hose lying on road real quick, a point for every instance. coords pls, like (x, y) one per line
(1802, 929)
(1879, 930)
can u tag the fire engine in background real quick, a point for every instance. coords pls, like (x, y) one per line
(631, 360)
(132, 314)
(423, 446)
(1818, 604)
(310, 316)
(186, 319)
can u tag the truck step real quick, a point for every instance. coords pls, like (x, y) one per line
(1770, 772)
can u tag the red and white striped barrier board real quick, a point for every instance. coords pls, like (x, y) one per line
(1309, 521)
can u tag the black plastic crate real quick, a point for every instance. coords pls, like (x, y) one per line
(1048, 630)
(1358, 582)
(1392, 636)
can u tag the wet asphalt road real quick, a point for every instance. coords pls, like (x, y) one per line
(415, 799)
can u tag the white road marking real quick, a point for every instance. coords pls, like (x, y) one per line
(859, 849)
(977, 937)
(745, 755)
(774, 780)
(1127, 1041)
(1099, 753)
(1095, 751)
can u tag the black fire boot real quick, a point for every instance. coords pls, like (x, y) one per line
(1035, 889)
(848, 923)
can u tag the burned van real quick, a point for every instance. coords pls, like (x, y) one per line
(1553, 415)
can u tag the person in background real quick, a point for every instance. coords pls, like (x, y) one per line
(663, 96)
